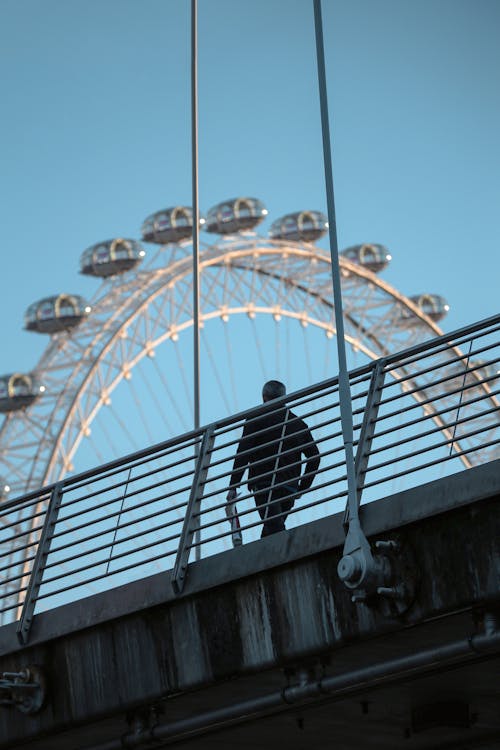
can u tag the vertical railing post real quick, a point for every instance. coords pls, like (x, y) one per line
(35, 581)
(191, 521)
(367, 431)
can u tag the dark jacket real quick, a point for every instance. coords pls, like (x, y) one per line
(259, 446)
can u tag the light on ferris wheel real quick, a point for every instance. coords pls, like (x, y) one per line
(6, 489)
(329, 333)
(388, 256)
(142, 253)
(88, 309)
(42, 389)
(264, 212)
(202, 220)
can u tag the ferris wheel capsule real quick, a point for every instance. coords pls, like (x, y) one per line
(170, 225)
(111, 257)
(432, 305)
(17, 391)
(54, 314)
(235, 215)
(305, 226)
(371, 256)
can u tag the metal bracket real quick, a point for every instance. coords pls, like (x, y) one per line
(365, 573)
(35, 581)
(190, 519)
(24, 690)
(367, 431)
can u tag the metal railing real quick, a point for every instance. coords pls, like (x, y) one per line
(418, 415)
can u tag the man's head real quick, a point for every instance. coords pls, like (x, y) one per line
(273, 389)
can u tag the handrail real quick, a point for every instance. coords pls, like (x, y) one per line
(150, 523)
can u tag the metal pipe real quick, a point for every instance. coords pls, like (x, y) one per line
(336, 687)
(344, 387)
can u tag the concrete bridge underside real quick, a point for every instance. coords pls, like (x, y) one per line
(265, 646)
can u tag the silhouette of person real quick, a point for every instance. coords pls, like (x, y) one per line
(271, 449)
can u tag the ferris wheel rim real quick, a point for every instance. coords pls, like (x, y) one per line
(220, 254)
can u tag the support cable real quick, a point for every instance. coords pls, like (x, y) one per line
(358, 568)
(344, 388)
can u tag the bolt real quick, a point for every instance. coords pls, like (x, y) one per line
(390, 591)
(349, 568)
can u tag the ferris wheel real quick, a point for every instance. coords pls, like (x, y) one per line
(115, 374)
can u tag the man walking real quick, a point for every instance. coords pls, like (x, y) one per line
(271, 448)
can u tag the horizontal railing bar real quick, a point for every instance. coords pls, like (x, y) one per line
(137, 478)
(56, 535)
(88, 581)
(428, 386)
(116, 542)
(335, 496)
(447, 364)
(20, 521)
(108, 559)
(446, 338)
(19, 576)
(28, 532)
(427, 465)
(434, 446)
(448, 341)
(12, 551)
(428, 415)
(121, 464)
(433, 430)
(223, 446)
(133, 493)
(213, 478)
(231, 486)
(17, 605)
(249, 495)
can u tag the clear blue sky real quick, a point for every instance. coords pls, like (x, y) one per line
(95, 134)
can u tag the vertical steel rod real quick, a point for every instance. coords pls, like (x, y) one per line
(196, 212)
(196, 226)
(344, 389)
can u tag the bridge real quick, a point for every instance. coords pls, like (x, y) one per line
(130, 619)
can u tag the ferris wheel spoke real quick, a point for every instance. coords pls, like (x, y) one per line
(259, 350)
(122, 426)
(159, 406)
(230, 365)
(277, 348)
(182, 370)
(307, 354)
(140, 411)
(173, 400)
(215, 369)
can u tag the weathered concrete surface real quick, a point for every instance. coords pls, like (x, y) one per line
(248, 614)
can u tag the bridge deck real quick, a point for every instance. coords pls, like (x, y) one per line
(214, 661)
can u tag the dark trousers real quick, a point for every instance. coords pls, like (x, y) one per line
(271, 505)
